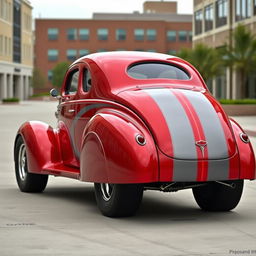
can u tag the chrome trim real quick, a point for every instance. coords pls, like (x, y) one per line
(22, 160)
(106, 191)
(242, 139)
(137, 140)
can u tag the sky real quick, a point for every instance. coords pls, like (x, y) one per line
(85, 8)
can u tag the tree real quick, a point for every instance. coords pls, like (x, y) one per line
(241, 55)
(205, 59)
(38, 80)
(58, 73)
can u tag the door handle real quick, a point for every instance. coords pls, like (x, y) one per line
(71, 110)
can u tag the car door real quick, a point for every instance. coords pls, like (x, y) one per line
(67, 114)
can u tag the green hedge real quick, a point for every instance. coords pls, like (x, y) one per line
(238, 102)
(11, 100)
(40, 94)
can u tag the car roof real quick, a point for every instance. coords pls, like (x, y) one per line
(114, 66)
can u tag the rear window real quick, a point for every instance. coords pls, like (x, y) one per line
(156, 70)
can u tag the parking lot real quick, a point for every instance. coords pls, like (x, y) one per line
(64, 220)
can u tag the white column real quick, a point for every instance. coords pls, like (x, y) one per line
(10, 86)
(20, 85)
(25, 79)
(3, 92)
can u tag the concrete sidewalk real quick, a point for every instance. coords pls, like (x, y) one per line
(248, 123)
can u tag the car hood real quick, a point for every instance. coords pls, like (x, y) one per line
(185, 124)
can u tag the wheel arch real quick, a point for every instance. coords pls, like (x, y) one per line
(109, 143)
(42, 145)
(246, 155)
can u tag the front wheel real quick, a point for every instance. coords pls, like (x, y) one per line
(118, 200)
(27, 182)
(218, 197)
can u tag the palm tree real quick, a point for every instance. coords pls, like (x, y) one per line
(241, 55)
(205, 59)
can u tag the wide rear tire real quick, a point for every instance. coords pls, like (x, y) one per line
(118, 200)
(218, 197)
(27, 182)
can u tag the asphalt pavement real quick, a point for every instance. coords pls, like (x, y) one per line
(64, 220)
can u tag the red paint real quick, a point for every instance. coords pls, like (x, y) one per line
(95, 138)
(202, 163)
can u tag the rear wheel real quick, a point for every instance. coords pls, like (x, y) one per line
(218, 197)
(27, 182)
(118, 200)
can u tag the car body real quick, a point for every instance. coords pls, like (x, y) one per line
(144, 119)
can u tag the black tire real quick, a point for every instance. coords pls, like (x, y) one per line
(218, 197)
(121, 200)
(27, 182)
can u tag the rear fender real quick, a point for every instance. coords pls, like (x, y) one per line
(42, 145)
(110, 153)
(246, 155)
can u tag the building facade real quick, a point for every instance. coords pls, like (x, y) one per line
(16, 49)
(59, 40)
(213, 24)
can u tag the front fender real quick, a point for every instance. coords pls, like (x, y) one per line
(110, 153)
(246, 155)
(41, 144)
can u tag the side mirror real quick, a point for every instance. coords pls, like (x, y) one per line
(54, 93)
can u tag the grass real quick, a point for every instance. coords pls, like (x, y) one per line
(238, 102)
(7, 100)
(40, 94)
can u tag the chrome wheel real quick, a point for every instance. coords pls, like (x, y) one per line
(106, 190)
(22, 162)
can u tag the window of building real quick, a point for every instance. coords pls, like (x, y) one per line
(139, 34)
(120, 34)
(198, 22)
(190, 36)
(83, 52)
(101, 50)
(53, 54)
(53, 33)
(151, 34)
(16, 11)
(50, 75)
(171, 35)
(182, 35)
(72, 82)
(102, 34)
(243, 9)
(156, 70)
(208, 17)
(172, 52)
(84, 34)
(71, 54)
(221, 87)
(221, 12)
(72, 34)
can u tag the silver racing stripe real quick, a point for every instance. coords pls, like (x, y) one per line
(77, 117)
(214, 134)
(181, 132)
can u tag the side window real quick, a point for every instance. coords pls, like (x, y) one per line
(72, 82)
(87, 80)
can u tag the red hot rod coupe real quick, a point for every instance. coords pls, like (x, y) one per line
(134, 121)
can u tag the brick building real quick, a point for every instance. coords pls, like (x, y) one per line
(16, 48)
(214, 22)
(157, 29)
